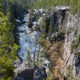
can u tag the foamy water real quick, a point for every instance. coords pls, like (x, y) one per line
(27, 40)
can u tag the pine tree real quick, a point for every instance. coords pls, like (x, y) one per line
(8, 49)
(43, 29)
(29, 56)
(50, 30)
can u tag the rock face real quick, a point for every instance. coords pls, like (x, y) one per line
(25, 72)
(70, 58)
(18, 78)
(40, 74)
(17, 63)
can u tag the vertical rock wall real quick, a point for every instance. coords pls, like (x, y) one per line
(69, 57)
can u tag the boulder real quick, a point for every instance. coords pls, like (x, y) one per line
(17, 63)
(18, 78)
(40, 74)
(25, 72)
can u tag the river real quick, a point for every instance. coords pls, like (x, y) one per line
(27, 40)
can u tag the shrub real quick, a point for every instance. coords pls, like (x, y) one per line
(61, 32)
(43, 55)
(43, 42)
(37, 63)
(70, 75)
(68, 31)
(0, 6)
(73, 44)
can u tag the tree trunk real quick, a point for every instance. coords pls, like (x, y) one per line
(68, 2)
(34, 55)
(38, 53)
(7, 6)
(78, 22)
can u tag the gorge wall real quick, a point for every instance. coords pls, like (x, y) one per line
(70, 69)
(71, 55)
(71, 25)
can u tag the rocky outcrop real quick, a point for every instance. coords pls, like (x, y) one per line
(70, 58)
(24, 71)
(40, 74)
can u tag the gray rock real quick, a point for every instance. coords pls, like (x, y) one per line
(26, 72)
(69, 56)
(40, 74)
(18, 78)
(17, 63)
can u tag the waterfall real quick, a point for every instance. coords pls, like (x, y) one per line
(27, 39)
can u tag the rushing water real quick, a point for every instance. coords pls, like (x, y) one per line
(27, 39)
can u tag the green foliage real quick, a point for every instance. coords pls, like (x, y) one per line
(29, 56)
(75, 44)
(47, 4)
(61, 32)
(1, 14)
(59, 36)
(37, 63)
(8, 49)
(55, 28)
(43, 55)
(50, 30)
(78, 39)
(43, 42)
(50, 77)
(70, 74)
(43, 28)
(0, 6)
(30, 23)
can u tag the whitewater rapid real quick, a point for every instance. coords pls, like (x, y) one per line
(27, 40)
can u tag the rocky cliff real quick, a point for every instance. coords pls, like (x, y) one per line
(24, 71)
(70, 69)
(71, 57)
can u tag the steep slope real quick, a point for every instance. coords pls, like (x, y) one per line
(72, 48)
(54, 53)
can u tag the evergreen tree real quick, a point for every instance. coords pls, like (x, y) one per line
(43, 29)
(50, 30)
(29, 56)
(55, 28)
(8, 49)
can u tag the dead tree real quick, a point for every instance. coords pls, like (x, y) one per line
(38, 49)
(34, 54)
